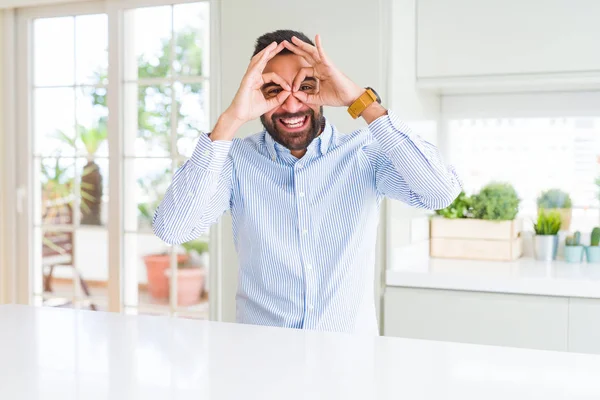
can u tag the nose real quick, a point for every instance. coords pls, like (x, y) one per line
(292, 105)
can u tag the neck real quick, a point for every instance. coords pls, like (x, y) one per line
(298, 153)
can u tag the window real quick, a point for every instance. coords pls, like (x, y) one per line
(166, 103)
(163, 91)
(70, 159)
(532, 153)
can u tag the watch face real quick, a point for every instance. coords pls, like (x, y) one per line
(376, 94)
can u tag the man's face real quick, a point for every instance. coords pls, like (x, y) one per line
(293, 124)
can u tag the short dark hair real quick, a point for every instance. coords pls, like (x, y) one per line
(279, 36)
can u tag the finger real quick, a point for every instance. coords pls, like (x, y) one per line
(260, 54)
(279, 100)
(298, 51)
(321, 51)
(301, 76)
(310, 49)
(273, 77)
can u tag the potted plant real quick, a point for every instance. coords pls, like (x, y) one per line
(484, 226)
(592, 252)
(546, 235)
(191, 273)
(496, 202)
(557, 200)
(573, 248)
(157, 263)
(460, 207)
(91, 189)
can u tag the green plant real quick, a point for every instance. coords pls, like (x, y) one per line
(554, 198)
(573, 240)
(547, 223)
(198, 246)
(91, 189)
(460, 207)
(595, 240)
(496, 201)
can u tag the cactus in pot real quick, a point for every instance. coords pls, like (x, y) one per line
(592, 251)
(573, 248)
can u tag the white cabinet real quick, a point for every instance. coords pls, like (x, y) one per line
(460, 38)
(501, 319)
(536, 322)
(584, 325)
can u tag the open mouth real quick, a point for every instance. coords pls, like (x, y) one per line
(294, 124)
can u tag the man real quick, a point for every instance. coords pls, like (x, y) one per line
(304, 199)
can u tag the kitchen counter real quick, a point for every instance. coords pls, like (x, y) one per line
(523, 276)
(64, 354)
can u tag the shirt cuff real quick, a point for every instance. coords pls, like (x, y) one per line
(389, 131)
(210, 155)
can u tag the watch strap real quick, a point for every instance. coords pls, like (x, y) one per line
(361, 104)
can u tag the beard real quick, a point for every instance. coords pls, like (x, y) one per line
(294, 140)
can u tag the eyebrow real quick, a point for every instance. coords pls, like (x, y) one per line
(310, 79)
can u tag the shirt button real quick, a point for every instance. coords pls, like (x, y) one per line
(309, 267)
(299, 165)
(305, 231)
(301, 194)
(190, 194)
(206, 153)
(311, 307)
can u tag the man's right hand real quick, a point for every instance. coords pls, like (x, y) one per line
(249, 102)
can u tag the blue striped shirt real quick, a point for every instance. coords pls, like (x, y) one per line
(305, 229)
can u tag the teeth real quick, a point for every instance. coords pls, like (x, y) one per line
(293, 121)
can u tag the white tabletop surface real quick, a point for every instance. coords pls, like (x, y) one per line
(60, 354)
(524, 276)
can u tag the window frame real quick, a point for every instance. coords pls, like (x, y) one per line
(18, 46)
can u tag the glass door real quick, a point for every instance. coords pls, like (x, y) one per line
(101, 130)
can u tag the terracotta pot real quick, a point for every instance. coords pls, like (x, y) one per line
(156, 265)
(190, 284)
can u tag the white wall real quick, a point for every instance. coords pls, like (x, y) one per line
(3, 266)
(407, 230)
(492, 37)
(352, 35)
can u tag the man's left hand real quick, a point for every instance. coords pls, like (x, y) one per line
(333, 88)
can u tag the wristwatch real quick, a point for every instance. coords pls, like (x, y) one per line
(365, 100)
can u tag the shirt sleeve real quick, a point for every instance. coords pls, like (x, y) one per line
(408, 168)
(198, 195)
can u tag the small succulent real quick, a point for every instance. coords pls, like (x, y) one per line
(548, 223)
(595, 241)
(573, 240)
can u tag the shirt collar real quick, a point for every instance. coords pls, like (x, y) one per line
(321, 142)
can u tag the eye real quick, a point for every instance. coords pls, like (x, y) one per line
(305, 87)
(273, 92)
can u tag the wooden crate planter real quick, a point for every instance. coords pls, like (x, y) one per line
(476, 239)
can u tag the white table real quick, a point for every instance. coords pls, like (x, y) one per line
(59, 354)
